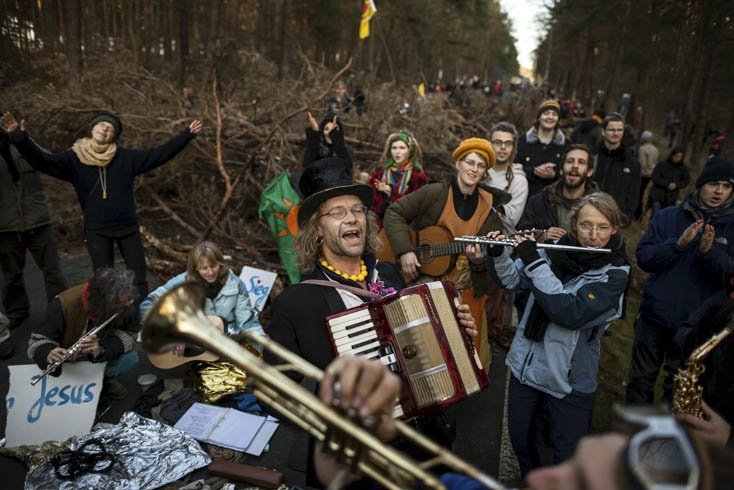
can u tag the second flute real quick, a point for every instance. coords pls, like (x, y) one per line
(511, 243)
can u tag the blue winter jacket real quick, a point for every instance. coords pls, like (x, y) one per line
(232, 305)
(681, 281)
(579, 311)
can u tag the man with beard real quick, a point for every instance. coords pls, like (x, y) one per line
(77, 310)
(335, 246)
(550, 208)
(336, 241)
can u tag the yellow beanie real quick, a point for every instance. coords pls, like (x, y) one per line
(547, 104)
(475, 145)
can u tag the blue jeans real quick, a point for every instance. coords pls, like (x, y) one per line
(567, 424)
(123, 364)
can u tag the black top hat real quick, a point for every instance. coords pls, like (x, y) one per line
(327, 178)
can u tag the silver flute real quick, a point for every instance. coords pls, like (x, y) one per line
(71, 351)
(483, 240)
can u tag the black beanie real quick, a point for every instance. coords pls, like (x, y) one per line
(716, 169)
(110, 118)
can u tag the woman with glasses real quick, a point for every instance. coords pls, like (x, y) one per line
(554, 357)
(400, 171)
(461, 205)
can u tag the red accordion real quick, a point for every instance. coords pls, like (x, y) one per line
(417, 334)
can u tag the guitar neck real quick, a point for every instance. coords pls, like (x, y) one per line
(440, 249)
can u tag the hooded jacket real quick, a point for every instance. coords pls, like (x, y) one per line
(579, 311)
(531, 152)
(667, 172)
(232, 304)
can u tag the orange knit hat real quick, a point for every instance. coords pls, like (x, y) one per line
(475, 145)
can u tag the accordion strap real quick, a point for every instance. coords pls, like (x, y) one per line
(337, 285)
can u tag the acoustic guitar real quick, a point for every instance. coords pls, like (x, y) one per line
(167, 360)
(434, 246)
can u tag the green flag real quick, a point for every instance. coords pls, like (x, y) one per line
(279, 208)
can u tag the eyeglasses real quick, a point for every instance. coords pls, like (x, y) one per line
(600, 229)
(502, 144)
(340, 212)
(475, 165)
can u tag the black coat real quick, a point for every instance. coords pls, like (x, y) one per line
(663, 174)
(618, 173)
(117, 210)
(531, 152)
(718, 378)
(541, 211)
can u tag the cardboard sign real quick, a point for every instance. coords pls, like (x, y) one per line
(259, 283)
(56, 408)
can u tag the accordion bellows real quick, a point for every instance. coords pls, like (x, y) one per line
(417, 334)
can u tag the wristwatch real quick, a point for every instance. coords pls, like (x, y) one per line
(660, 455)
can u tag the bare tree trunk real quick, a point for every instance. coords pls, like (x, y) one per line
(183, 41)
(610, 91)
(73, 28)
(282, 68)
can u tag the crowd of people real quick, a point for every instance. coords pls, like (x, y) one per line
(556, 210)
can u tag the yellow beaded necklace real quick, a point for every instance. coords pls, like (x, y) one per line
(351, 277)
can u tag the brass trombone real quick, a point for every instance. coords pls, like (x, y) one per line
(178, 316)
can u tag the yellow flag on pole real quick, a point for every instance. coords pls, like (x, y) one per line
(368, 11)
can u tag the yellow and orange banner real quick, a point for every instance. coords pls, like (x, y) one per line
(368, 11)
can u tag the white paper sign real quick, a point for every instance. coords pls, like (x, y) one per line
(55, 408)
(259, 283)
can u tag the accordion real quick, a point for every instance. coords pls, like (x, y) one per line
(416, 333)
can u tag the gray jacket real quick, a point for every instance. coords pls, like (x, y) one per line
(23, 204)
(580, 311)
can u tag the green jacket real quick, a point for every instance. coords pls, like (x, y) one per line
(23, 204)
(423, 208)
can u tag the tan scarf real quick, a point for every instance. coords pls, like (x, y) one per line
(93, 154)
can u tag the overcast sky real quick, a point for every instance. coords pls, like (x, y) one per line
(523, 14)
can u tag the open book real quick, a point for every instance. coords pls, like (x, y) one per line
(228, 427)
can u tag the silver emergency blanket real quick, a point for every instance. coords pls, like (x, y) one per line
(149, 455)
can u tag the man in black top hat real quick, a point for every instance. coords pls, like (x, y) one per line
(103, 176)
(336, 241)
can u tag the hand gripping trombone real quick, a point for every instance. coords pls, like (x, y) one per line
(177, 317)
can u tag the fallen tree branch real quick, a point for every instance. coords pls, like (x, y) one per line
(162, 247)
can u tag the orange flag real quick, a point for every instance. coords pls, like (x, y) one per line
(368, 11)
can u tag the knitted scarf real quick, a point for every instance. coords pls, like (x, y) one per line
(699, 210)
(567, 265)
(95, 155)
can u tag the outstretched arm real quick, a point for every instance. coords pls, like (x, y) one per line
(145, 160)
(56, 165)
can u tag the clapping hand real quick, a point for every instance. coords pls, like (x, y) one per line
(689, 234)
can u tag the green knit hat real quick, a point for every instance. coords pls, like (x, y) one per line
(110, 118)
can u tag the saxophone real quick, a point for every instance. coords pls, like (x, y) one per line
(688, 392)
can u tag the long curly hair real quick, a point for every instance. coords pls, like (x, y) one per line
(307, 243)
(110, 290)
(206, 253)
(414, 149)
